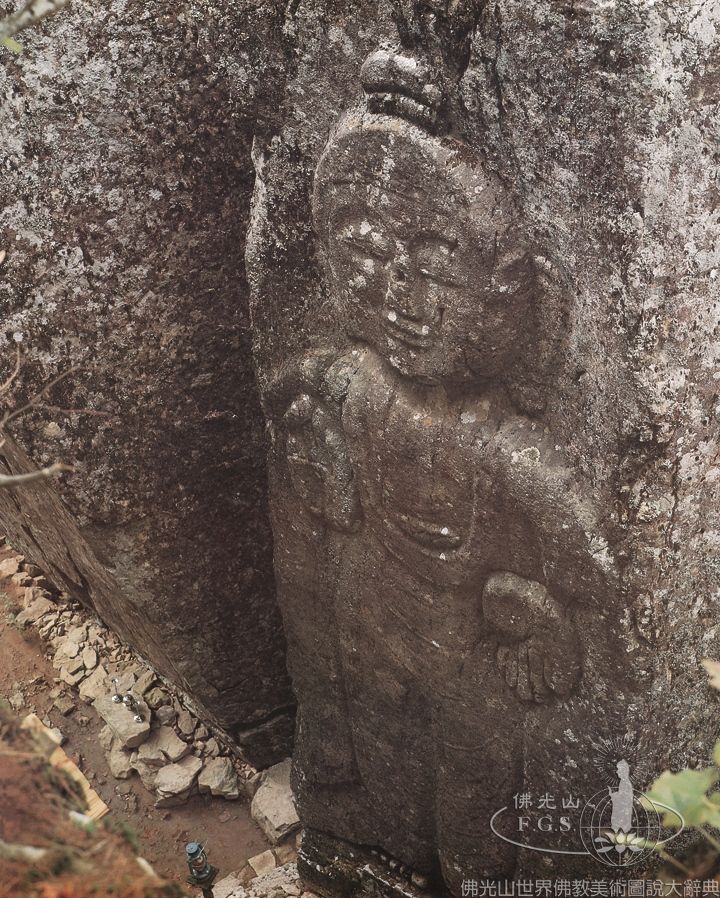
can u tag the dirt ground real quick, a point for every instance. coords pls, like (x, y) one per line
(225, 827)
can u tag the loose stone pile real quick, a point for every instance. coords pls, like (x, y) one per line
(282, 882)
(174, 754)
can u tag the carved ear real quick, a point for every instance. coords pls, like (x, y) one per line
(530, 381)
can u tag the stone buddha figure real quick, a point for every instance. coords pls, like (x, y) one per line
(433, 540)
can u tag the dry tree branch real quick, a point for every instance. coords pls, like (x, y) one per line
(13, 480)
(31, 13)
(10, 416)
(16, 370)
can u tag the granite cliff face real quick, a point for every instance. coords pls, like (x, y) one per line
(482, 267)
(126, 183)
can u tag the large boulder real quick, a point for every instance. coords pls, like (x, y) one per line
(483, 259)
(126, 184)
(273, 806)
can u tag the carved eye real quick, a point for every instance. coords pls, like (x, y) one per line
(366, 241)
(435, 262)
(438, 277)
(379, 250)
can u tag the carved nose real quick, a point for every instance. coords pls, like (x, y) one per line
(400, 271)
(405, 295)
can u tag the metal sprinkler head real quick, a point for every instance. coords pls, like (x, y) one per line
(117, 698)
(131, 704)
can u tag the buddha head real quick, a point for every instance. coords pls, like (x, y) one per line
(422, 250)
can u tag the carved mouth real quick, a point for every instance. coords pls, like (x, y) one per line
(417, 334)
(428, 534)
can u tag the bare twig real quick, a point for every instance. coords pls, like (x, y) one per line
(8, 481)
(13, 480)
(10, 416)
(31, 13)
(11, 380)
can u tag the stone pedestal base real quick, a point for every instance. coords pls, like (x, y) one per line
(332, 868)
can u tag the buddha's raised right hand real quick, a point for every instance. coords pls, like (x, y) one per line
(319, 462)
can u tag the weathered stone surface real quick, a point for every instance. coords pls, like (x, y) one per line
(66, 651)
(273, 808)
(9, 567)
(119, 760)
(157, 697)
(147, 772)
(129, 732)
(64, 704)
(34, 611)
(275, 882)
(70, 676)
(186, 723)
(105, 737)
(229, 887)
(123, 243)
(144, 682)
(96, 685)
(166, 715)
(164, 743)
(212, 748)
(89, 659)
(219, 778)
(124, 682)
(151, 754)
(263, 863)
(174, 782)
(78, 634)
(17, 701)
(483, 262)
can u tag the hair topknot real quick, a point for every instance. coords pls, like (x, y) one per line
(400, 85)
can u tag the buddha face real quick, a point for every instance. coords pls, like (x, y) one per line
(419, 256)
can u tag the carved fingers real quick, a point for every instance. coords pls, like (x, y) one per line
(562, 663)
(519, 607)
(523, 667)
(539, 651)
(536, 673)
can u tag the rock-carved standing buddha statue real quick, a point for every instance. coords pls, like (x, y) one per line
(432, 539)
